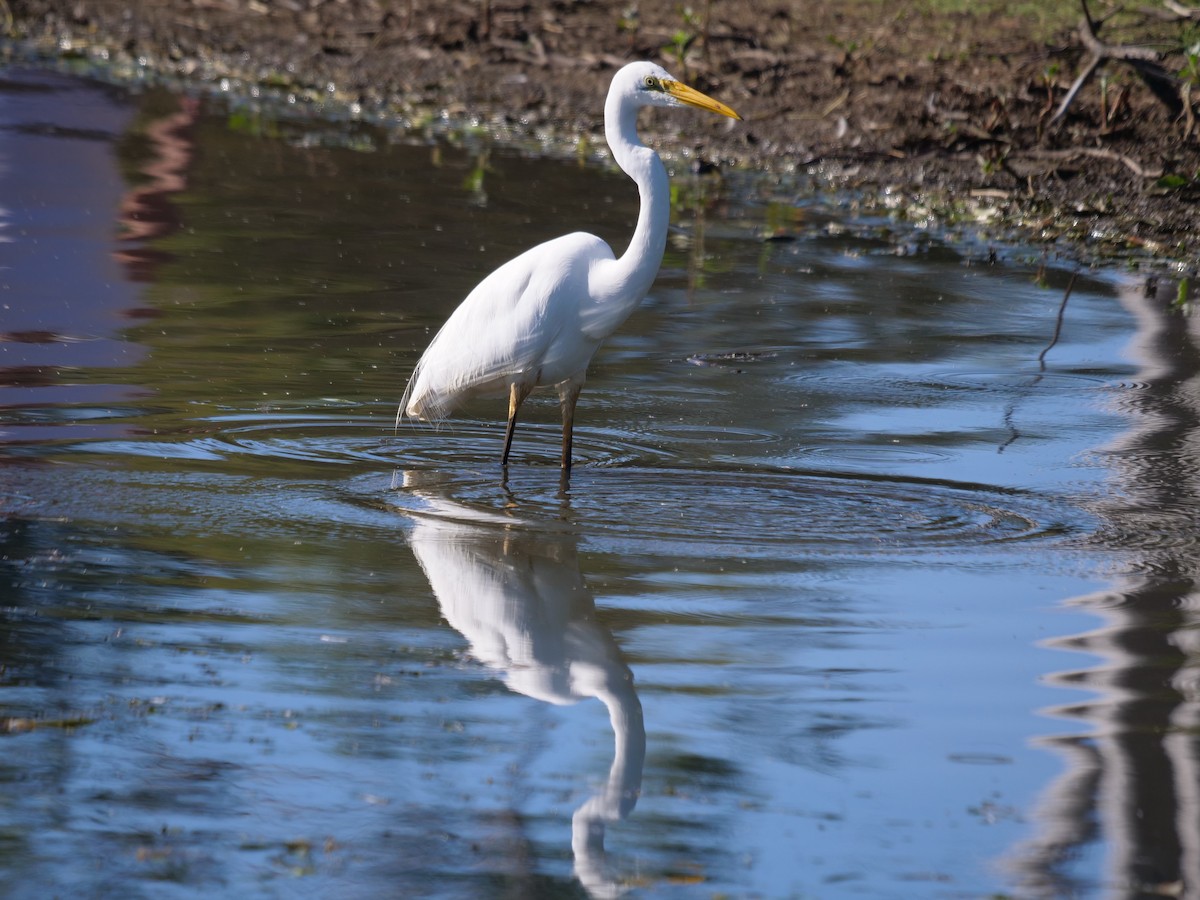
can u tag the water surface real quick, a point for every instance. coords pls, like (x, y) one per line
(874, 577)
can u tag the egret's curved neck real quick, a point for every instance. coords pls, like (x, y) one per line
(636, 269)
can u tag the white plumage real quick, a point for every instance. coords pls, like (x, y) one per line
(537, 320)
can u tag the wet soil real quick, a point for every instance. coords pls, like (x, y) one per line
(937, 116)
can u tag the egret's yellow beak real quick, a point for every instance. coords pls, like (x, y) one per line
(693, 97)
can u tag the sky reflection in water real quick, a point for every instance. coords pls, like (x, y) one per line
(881, 590)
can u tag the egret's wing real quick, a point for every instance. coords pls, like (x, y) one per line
(507, 329)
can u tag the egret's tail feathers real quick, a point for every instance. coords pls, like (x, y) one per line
(409, 406)
(427, 407)
(423, 405)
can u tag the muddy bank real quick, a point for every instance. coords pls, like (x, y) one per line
(952, 115)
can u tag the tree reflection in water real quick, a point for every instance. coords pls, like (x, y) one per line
(1133, 777)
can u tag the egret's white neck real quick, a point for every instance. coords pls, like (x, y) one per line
(636, 269)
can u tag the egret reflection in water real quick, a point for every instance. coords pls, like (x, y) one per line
(516, 593)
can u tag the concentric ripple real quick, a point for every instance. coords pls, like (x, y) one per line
(351, 439)
(633, 497)
(743, 514)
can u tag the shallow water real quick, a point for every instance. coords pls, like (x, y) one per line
(875, 576)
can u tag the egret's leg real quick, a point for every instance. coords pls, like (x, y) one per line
(568, 396)
(516, 396)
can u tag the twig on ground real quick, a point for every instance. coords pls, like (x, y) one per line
(1097, 153)
(1143, 60)
(1181, 11)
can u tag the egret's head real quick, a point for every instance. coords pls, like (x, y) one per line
(651, 85)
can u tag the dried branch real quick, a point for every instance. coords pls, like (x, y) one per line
(1181, 11)
(1097, 153)
(1143, 60)
(1076, 86)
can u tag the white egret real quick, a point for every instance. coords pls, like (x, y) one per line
(537, 320)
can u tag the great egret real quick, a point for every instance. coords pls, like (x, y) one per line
(537, 320)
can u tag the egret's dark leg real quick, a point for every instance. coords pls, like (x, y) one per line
(568, 396)
(516, 396)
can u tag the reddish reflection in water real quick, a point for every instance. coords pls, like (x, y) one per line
(74, 250)
(148, 212)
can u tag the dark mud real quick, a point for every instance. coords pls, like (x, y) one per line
(947, 117)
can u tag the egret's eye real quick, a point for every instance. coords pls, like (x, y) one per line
(652, 83)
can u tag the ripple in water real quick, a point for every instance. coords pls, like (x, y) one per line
(631, 496)
(477, 446)
(1008, 381)
(913, 387)
(754, 514)
(868, 456)
(708, 435)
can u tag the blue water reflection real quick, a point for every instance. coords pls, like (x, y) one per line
(1132, 772)
(899, 543)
